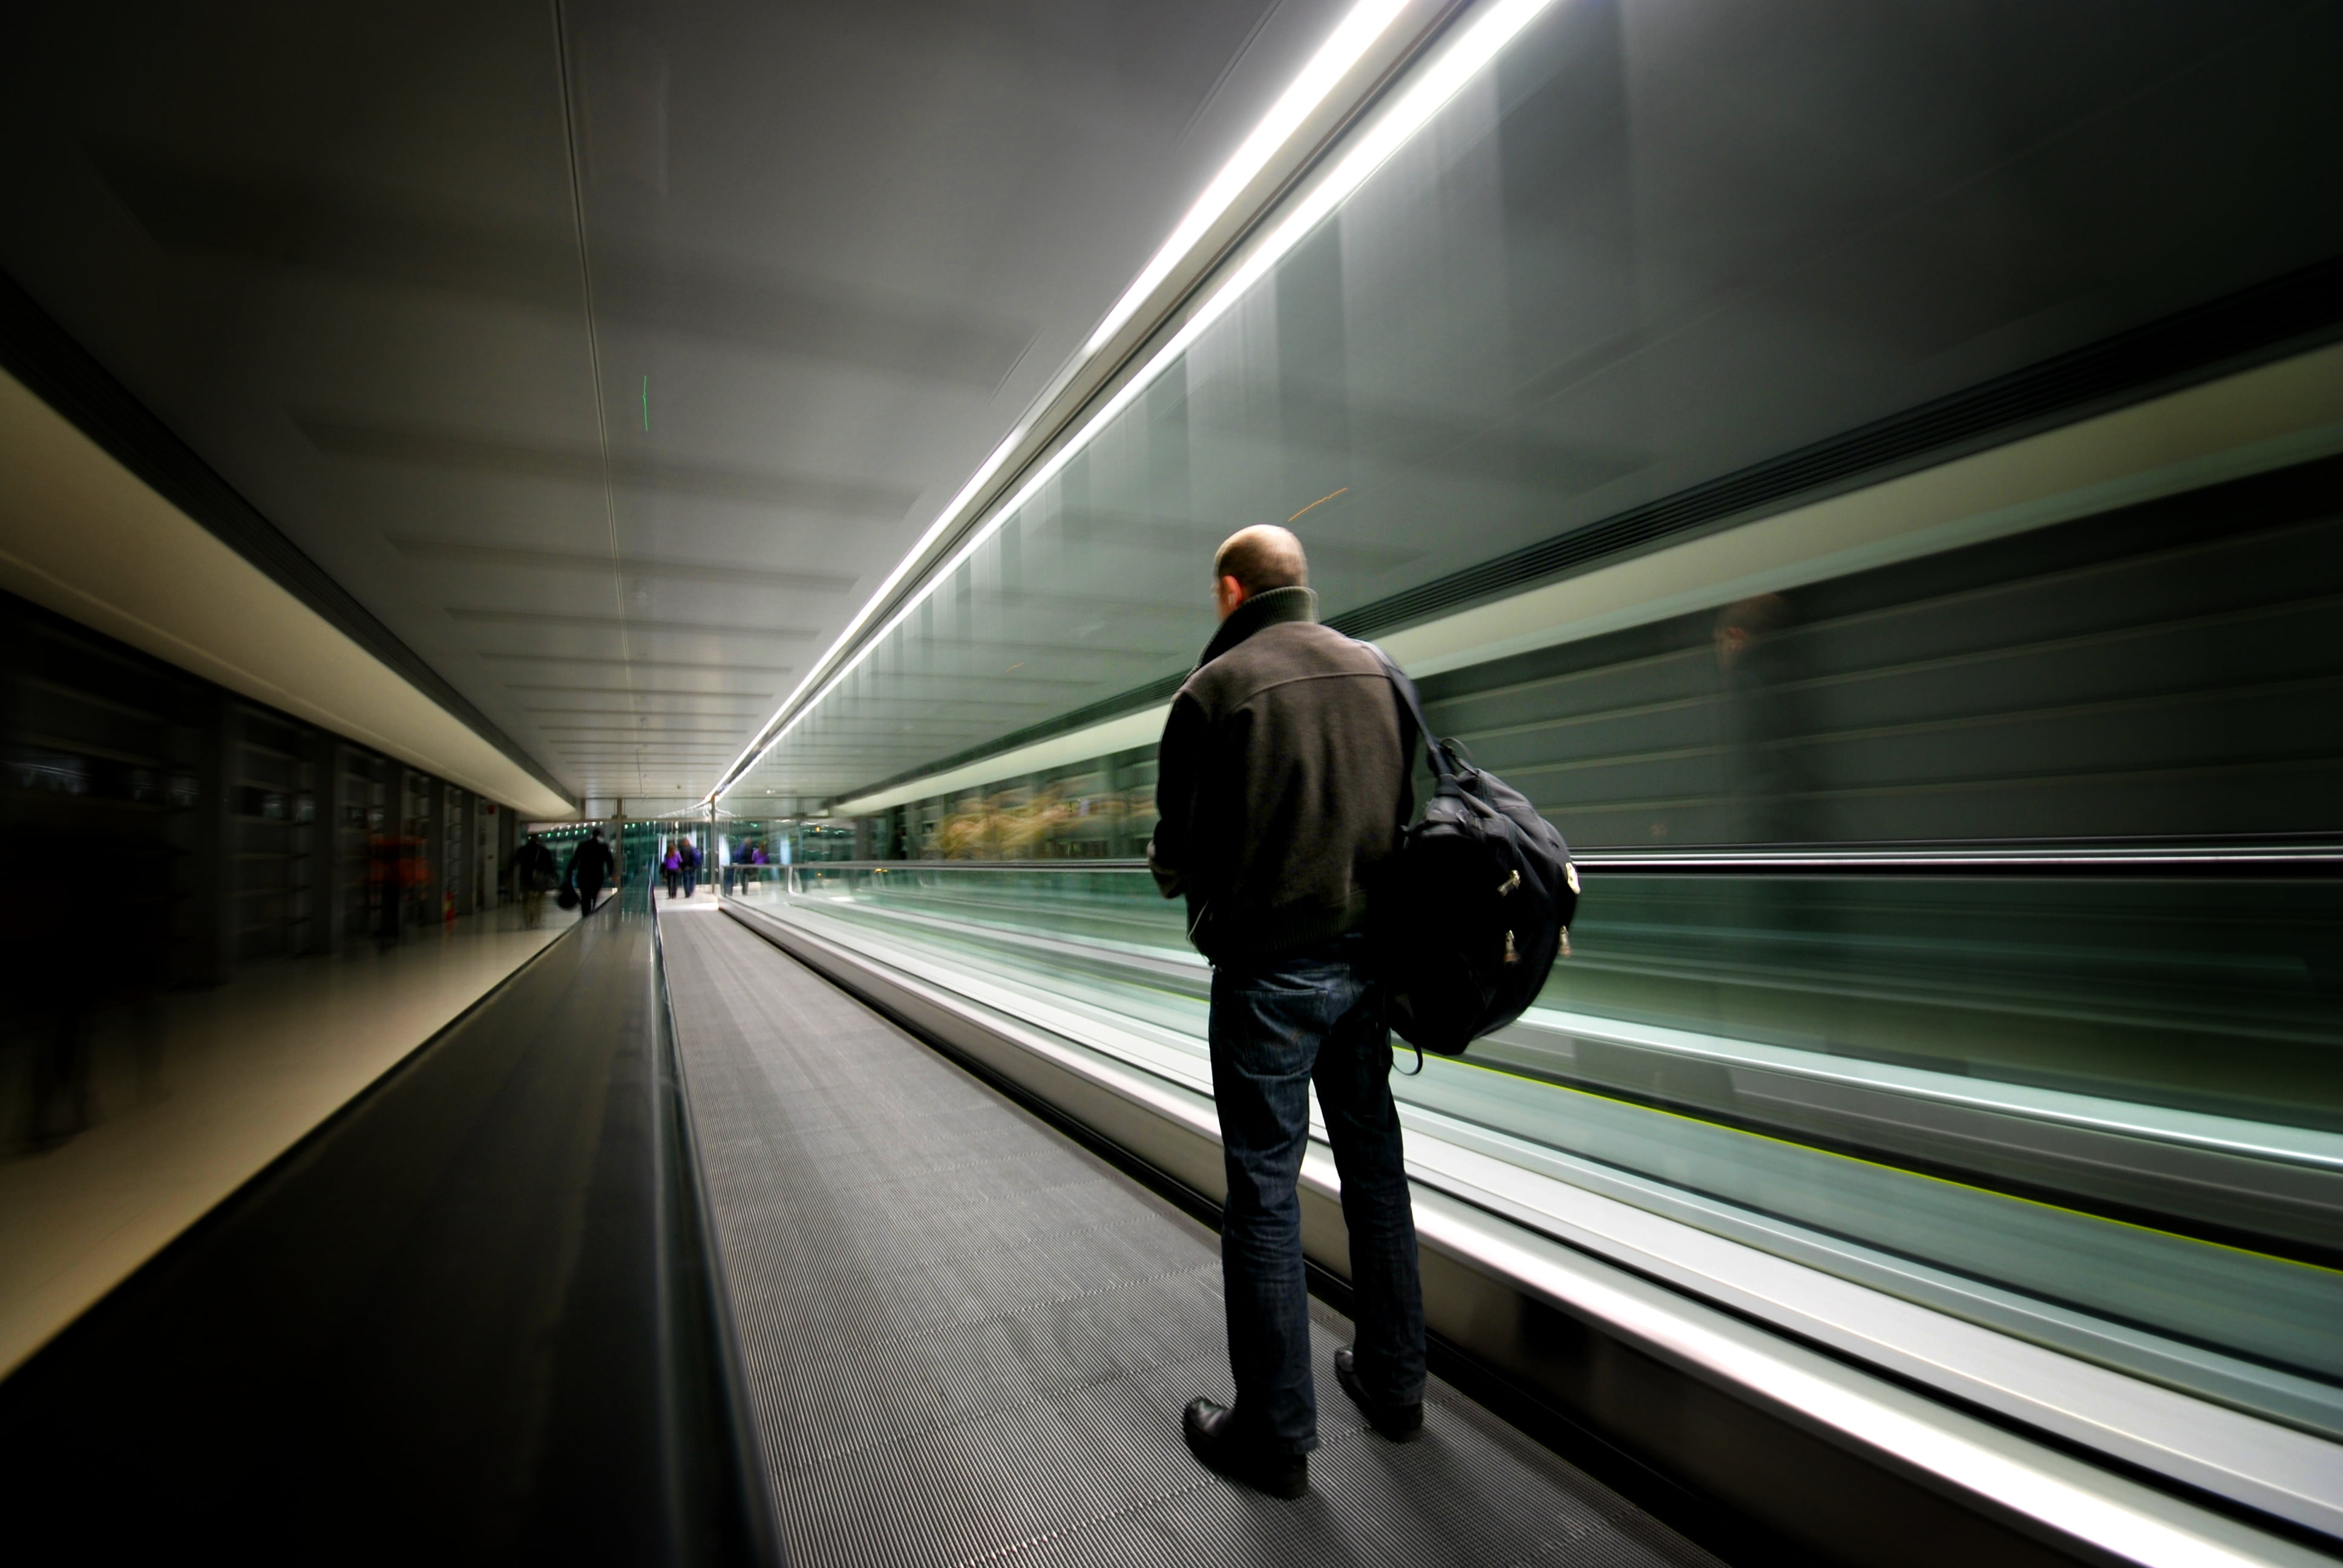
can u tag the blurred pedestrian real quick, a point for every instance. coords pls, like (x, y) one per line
(55, 949)
(1283, 785)
(672, 866)
(1765, 721)
(591, 865)
(1765, 924)
(690, 867)
(534, 870)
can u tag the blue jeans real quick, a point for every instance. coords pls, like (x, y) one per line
(1277, 1026)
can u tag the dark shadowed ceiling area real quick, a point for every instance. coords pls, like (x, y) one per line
(611, 354)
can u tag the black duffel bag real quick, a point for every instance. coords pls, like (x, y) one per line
(1477, 906)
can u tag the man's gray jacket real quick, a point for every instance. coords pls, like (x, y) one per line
(1282, 785)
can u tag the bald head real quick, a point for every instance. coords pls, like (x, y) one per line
(1257, 559)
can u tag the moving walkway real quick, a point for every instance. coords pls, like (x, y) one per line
(467, 1318)
(2143, 1279)
(674, 1250)
(967, 1338)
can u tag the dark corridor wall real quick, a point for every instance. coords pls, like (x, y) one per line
(159, 830)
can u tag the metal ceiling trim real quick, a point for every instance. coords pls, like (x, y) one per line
(2268, 321)
(38, 351)
(2280, 318)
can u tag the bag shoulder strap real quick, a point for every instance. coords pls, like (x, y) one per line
(1442, 766)
(1435, 749)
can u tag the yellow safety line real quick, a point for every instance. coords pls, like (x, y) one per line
(1898, 1169)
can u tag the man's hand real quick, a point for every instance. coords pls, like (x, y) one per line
(1170, 880)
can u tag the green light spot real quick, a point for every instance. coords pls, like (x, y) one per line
(647, 402)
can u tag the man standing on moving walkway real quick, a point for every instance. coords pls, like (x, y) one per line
(1283, 785)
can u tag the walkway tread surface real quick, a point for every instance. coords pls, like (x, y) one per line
(969, 1341)
(446, 1327)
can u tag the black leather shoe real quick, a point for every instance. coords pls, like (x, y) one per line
(1217, 1445)
(1399, 1422)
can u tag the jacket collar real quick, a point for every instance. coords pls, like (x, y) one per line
(1268, 608)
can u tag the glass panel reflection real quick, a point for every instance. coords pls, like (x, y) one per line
(2098, 1112)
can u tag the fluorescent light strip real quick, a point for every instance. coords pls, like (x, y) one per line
(1332, 62)
(753, 753)
(1366, 21)
(1430, 93)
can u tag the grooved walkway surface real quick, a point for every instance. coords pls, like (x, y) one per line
(200, 1091)
(967, 1340)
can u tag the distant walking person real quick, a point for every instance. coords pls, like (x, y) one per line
(534, 870)
(1283, 785)
(672, 866)
(591, 865)
(691, 853)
